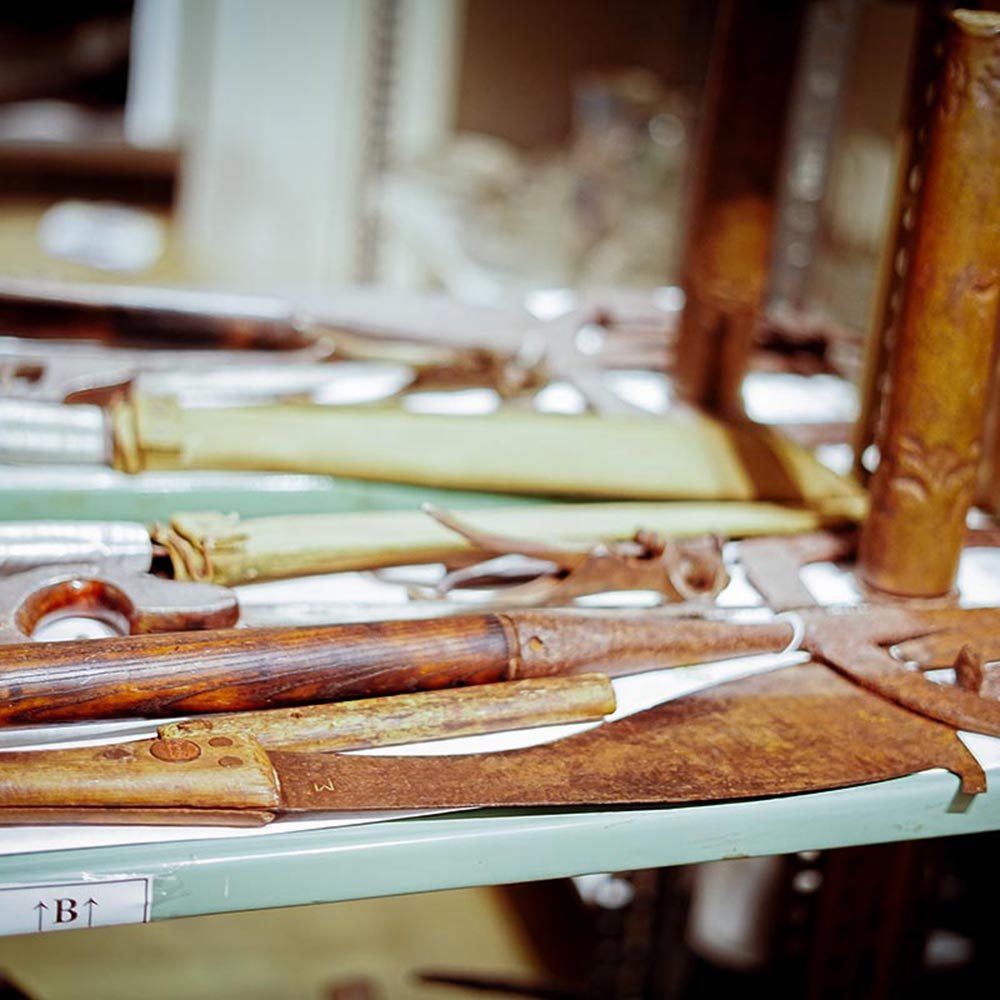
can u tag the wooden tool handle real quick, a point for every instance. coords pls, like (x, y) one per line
(409, 718)
(229, 772)
(226, 670)
(201, 766)
(238, 669)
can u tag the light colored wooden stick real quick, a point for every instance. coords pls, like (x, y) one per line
(411, 718)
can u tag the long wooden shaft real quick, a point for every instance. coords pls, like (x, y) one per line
(229, 670)
(409, 718)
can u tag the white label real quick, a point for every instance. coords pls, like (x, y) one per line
(67, 906)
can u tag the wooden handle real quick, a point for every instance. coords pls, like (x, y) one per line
(410, 718)
(230, 772)
(226, 670)
(229, 670)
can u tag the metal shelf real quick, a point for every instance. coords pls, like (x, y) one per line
(192, 877)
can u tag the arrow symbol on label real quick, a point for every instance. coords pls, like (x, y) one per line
(90, 904)
(41, 907)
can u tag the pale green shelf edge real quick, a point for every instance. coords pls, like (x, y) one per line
(472, 849)
(149, 500)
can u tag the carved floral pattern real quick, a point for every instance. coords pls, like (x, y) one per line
(918, 472)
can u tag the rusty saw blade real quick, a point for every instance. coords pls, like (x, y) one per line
(800, 729)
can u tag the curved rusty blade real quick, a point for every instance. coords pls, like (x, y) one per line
(800, 729)
(135, 602)
(859, 646)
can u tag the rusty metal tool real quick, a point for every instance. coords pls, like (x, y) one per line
(800, 729)
(157, 672)
(727, 254)
(161, 669)
(684, 570)
(931, 656)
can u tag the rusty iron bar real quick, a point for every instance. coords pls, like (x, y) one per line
(736, 171)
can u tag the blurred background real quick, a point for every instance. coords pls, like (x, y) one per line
(480, 147)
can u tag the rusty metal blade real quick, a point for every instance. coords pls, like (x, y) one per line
(800, 729)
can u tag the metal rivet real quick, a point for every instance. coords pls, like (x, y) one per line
(175, 750)
(220, 741)
(115, 753)
(230, 762)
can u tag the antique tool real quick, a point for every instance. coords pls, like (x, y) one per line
(158, 670)
(158, 673)
(688, 457)
(892, 652)
(931, 656)
(410, 718)
(223, 548)
(508, 351)
(939, 369)
(677, 571)
(799, 729)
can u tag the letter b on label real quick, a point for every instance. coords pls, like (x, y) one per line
(66, 911)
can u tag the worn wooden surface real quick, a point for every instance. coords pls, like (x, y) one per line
(409, 718)
(225, 772)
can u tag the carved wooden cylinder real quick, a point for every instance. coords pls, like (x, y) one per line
(940, 363)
